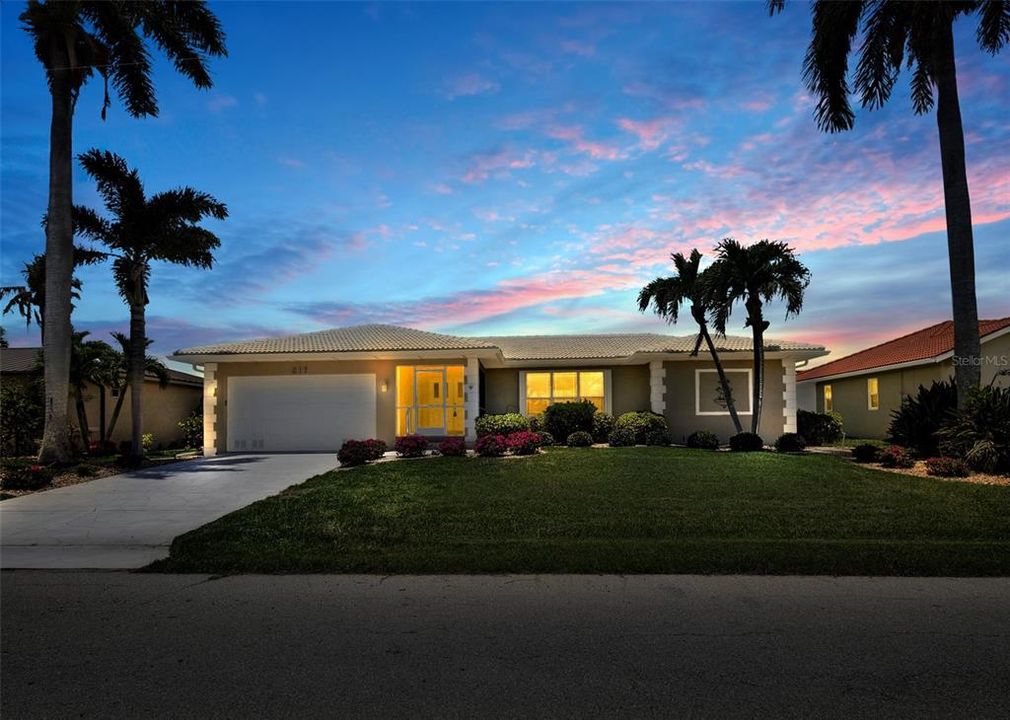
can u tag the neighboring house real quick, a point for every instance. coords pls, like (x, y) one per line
(311, 392)
(866, 386)
(164, 407)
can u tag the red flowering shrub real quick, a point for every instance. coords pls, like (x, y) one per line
(896, 457)
(946, 467)
(376, 448)
(524, 442)
(491, 446)
(452, 447)
(17, 476)
(411, 446)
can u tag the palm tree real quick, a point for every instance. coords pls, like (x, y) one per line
(92, 362)
(143, 230)
(74, 40)
(667, 294)
(919, 34)
(754, 274)
(152, 366)
(29, 300)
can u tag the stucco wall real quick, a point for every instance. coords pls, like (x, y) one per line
(163, 409)
(629, 388)
(680, 401)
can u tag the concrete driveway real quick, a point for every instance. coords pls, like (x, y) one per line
(129, 520)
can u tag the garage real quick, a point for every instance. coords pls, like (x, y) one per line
(299, 413)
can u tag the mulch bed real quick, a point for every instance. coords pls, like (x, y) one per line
(70, 476)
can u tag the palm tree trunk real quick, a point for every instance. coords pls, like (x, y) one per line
(82, 418)
(758, 326)
(138, 352)
(56, 447)
(957, 203)
(115, 415)
(727, 391)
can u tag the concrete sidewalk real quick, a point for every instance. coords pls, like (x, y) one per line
(129, 520)
(145, 646)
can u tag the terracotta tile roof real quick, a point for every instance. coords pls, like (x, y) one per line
(19, 360)
(922, 345)
(375, 338)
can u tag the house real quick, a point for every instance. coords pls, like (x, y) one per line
(163, 407)
(866, 386)
(310, 392)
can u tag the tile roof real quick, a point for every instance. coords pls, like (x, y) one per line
(921, 345)
(372, 338)
(19, 360)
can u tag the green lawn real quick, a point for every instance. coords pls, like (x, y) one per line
(633, 510)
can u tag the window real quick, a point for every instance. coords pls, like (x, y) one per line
(872, 394)
(545, 388)
(828, 404)
(709, 398)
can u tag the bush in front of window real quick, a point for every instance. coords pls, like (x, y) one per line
(502, 424)
(819, 428)
(603, 425)
(579, 438)
(622, 437)
(491, 446)
(746, 442)
(524, 442)
(411, 446)
(641, 423)
(452, 447)
(563, 418)
(790, 443)
(703, 440)
(656, 437)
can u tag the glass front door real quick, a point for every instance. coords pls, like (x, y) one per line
(430, 401)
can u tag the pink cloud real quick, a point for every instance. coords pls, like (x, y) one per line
(573, 135)
(469, 85)
(498, 163)
(650, 133)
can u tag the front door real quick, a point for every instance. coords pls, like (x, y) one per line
(431, 388)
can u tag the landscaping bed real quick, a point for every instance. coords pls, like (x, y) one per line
(624, 510)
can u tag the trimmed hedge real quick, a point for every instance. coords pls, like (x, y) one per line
(359, 452)
(411, 446)
(896, 457)
(603, 425)
(746, 442)
(452, 447)
(562, 419)
(491, 446)
(865, 453)
(524, 442)
(503, 424)
(790, 443)
(579, 438)
(622, 437)
(703, 439)
(658, 437)
(641, 424)
(819, 428)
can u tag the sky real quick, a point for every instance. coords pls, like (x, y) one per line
(517, 168)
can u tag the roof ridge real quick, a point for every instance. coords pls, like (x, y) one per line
(878, 345)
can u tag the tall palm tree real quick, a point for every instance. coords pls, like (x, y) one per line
(919, 34)
(667, 294)
(74, 40)
(29, 300)
(92, 362)
(163, 227)
(152, 366)
(754, 274)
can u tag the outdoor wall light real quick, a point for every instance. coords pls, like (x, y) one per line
(385, 386)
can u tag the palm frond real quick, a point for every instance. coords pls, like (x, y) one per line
(882, 52)
(120, 187)
(826, 65)
(993, 25)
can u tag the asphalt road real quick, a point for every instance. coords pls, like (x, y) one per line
(93, 644)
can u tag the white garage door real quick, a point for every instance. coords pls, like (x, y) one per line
(299, 413)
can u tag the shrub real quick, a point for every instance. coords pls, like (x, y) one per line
(452, 447)
(536, 422)
(491, 446)
(354, 452)
(147, 441)
(524, 442)
(746, 442)
(546, 438)
(703, 439)
(980, 432)
(658, 437)
(562, 419)
(411, 446)
(622, 437)
(603, 425)
(19, 476)
(579, 438)
(790, 443)
(641, 423)
(865, 453)
(85, 471)
(192, 430)
(896, 456)
(946, 467)
(376, 448)
(503, 424)
(819, 428)
(915, 424)
(21, 418)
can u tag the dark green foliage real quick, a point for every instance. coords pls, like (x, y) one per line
(579, 438)
(980, 433)
(819, 428)
(946, 467)
(866, 453)
(896, 456)
(703, 439)
(621, 437)
(85, 471)
(603, 424)
(192, 430)
(915, 424)
(503, 424)
(746, 442)
(562, 419)
(641, 424)
(21, 417)
(658, 437)
(790, 443)
(25, 476)
(546, 439)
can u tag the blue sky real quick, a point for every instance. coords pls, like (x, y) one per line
(517, 168)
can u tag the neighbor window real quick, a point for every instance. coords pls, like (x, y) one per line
(828, 405)
(544, 388)
(709, 398)
(872, 394)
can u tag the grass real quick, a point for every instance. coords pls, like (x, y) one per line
(634, 510)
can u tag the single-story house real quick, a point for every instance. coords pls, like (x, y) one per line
(310, 392)
(866, 386)
(163, 407)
